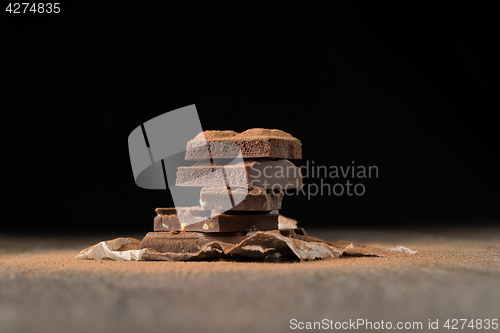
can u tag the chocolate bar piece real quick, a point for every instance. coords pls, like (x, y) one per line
(256, 199)
(183, 216)
(253, 143)
(192, 242)
(268, 174)
(197, 219)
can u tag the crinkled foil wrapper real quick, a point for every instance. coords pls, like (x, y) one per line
(264, 245)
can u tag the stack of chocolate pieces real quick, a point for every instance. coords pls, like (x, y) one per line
(242, 177)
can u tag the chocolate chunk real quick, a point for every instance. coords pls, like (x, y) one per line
(166, 211)
(268, 174)
(203, 172)
(192, 242)
(197, 219)
(177, 218)
(256, 199)
(253, 143)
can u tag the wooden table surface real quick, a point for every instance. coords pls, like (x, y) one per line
(454, 275)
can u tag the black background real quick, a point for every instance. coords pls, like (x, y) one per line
(411, 90)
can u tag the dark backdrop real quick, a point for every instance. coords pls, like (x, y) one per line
(413, 91)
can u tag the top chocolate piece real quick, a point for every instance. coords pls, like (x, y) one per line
(254, 143)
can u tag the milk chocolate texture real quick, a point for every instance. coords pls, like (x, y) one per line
(257, 199)
(197, 219)
(267, 174)
(192, 242)
(253, 143)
